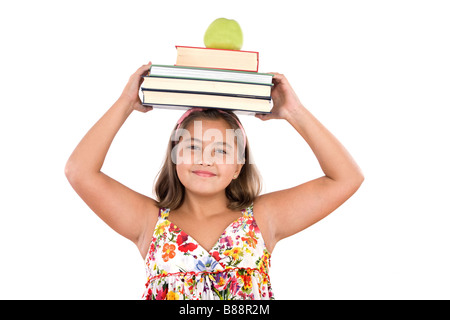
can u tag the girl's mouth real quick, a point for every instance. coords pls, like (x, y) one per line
(206, 174)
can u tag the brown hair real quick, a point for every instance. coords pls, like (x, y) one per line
(241, 192)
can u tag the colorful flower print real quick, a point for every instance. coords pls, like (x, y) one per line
(237, 267)
(207, 264)
(168, 252)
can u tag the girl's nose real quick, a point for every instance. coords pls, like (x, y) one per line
(206, 158)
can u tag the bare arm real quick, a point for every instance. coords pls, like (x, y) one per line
(123, 209)
(299, 207)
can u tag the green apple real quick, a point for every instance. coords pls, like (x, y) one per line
(224, 33)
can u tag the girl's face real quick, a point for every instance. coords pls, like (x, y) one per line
(206, 157)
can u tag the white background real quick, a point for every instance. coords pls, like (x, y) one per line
(376, 73)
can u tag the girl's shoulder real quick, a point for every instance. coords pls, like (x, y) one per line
(259, 207)
(152, 207)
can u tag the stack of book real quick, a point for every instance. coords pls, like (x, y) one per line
(210, 78)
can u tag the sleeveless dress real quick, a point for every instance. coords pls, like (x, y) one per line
(237, 267)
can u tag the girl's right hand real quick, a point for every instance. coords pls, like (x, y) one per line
(131, 91)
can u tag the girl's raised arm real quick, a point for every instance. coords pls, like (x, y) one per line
(292, 210)
(123, 209)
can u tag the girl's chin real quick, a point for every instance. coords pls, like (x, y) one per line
(204, 189)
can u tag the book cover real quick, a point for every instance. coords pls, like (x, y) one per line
(210, 74)
(238, 60)
(152, 97)
(206, 86)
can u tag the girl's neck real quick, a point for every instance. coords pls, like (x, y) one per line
(204, 206)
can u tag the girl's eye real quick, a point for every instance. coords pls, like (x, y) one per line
(220, 151)
(192, 147)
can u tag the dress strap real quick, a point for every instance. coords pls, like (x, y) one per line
(248, 211)
(163, 213)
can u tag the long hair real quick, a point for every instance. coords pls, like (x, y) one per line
(241, 191)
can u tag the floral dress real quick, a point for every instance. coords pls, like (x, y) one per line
(237, 267)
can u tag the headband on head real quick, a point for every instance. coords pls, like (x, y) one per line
(187, 113)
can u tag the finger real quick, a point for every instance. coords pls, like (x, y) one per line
(278, 77)
(275, 74)
(262, 116)
(141, 80)
(147, 108)
(143, 108)
(143, 68)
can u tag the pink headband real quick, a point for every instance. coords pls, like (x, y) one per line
(187, 113)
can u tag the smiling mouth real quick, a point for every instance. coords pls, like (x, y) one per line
(204, 174)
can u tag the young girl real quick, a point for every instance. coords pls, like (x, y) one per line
(209, 234)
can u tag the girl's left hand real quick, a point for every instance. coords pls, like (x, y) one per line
(285, 100)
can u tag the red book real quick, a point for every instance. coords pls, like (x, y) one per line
(217, 58)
